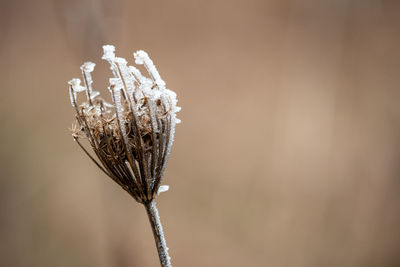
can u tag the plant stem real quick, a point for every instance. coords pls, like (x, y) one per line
(158, 233)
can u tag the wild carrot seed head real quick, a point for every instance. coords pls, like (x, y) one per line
(132, 136)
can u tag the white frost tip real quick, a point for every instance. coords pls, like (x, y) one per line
(74, 82)
(140, 56)
(88, 66)
(163, 188)
(108, 52)
(76, 85)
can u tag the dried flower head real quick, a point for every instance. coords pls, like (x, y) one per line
(132, 137)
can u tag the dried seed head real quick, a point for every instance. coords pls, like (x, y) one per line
(132, 136)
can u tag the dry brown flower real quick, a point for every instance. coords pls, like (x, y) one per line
(132, 137)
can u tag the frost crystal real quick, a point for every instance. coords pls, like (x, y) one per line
(163, 188)
(108, 52)
(131, 137)
(142, 57)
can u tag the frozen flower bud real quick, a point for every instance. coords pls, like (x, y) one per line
(131, 137)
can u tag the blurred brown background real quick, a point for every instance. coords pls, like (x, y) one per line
(287, 155)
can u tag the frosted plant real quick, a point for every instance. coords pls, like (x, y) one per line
(132, 136)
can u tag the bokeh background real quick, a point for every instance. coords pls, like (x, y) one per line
(287, 155)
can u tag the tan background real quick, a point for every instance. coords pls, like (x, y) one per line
(287, 155)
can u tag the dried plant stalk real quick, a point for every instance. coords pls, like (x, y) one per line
(131, 137)
(158, 233)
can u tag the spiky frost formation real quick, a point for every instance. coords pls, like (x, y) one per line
(131, 137)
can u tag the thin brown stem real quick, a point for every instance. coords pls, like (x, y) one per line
(158, 233)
